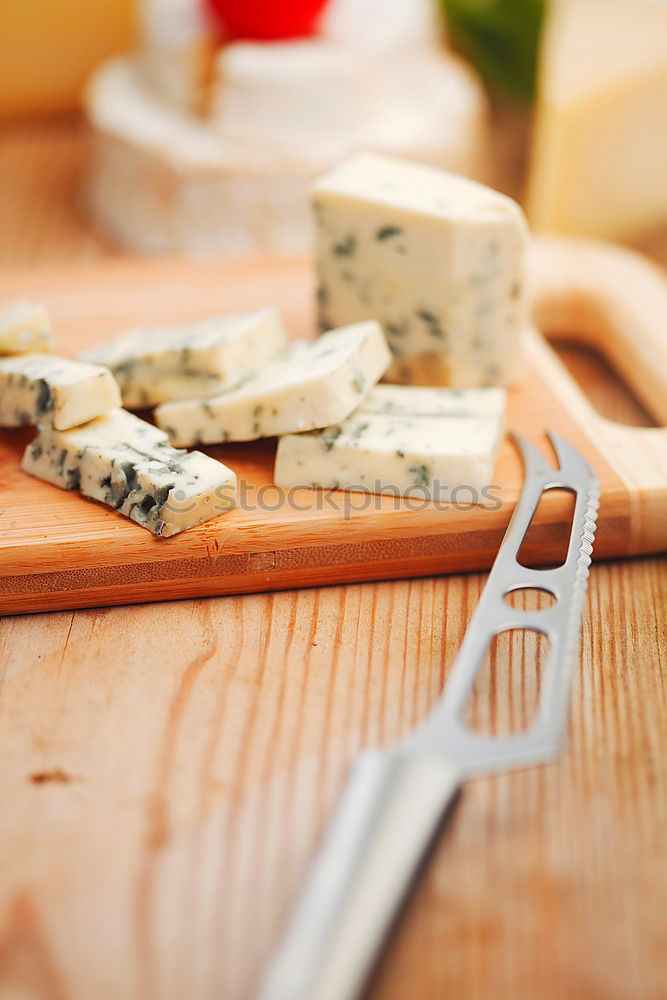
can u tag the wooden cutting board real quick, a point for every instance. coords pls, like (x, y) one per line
(58, 550)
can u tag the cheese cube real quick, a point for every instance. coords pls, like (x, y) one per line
(190, 361)
(128, 464)
(25, 326)
(43, 388)
(599, 158)
(447, 449)
(312, 384)
(436, 258)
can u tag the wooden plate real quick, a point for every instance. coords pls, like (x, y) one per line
(58, 550)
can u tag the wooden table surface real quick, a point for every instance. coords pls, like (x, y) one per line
(165, 770)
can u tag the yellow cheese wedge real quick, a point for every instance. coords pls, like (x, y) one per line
(48, 49)
(599, 164)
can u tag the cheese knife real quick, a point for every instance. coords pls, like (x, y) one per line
(397, 799)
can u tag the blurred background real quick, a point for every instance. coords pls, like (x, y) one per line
(196, 126)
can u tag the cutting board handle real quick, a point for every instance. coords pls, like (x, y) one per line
(614, 301)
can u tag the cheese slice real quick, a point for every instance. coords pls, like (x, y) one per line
(128, 464)
(312, 384)
(437, 259)
(43, 388)
(599, 158)
(190, 361)
(402, 400)
(25, 326)
(446, 450)
(57, 459)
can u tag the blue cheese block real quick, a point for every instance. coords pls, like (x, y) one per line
(25, 326)
(311, 384)
(128, 464)
(196, 360)
(445, 451)
(46, 389)
(439, 260)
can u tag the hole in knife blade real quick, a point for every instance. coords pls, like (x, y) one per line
(546, 540)
(530, 599)
(506, 692)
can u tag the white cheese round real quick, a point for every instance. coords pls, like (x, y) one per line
(163, 180)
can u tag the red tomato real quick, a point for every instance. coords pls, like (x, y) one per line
(265, 20)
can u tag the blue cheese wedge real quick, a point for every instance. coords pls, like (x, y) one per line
(25, 326)
(190, 361)
(311, 384)
(128, 464)
(437, 259)
(46, 389)
(444, 449)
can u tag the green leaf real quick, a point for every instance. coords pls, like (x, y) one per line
(500, 38)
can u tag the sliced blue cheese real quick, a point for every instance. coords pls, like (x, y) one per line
(128, 464)
(417, 401)
(447, 449)
(436, 258)
(25, 326)
(311, 384)
(190, 361)
(44, 388)
(56, 457)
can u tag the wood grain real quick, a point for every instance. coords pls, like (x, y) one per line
(200, 772)
(59, 551)
(165, 771)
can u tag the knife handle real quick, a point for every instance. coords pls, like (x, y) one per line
(390, 810)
